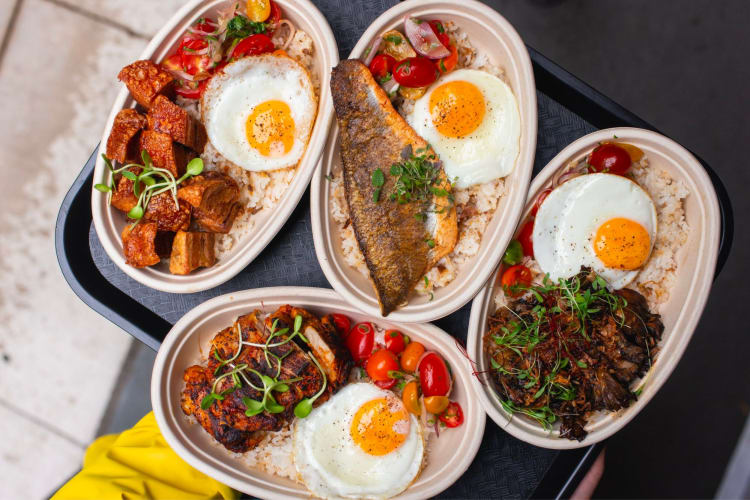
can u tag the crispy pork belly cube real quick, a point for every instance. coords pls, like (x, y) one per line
(165, 153)
(191, 250)
(145, 80)
(123, 198)
(168, 118)
(123, 141)
(214, 198)
(138, 244)
(168, 216)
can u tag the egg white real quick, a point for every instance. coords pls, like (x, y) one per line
(232, 94)
(487, 153)
(332, 465)
(569, 217)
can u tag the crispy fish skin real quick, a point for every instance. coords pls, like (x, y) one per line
(393, 241)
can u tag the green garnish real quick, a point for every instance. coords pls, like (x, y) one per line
(329, 177)
(378, 179)
(430, 242)
(388, 77)
(442, 66)
(440, 27)
(514, 253)
(145, 186)
(241, 27)
(304, 407)
(394, 39)
(582, 364)
(426, 281)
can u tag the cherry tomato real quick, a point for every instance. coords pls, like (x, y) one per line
(206, 24)
(436, 404)
(447, 64)
(193, 63)
(342, 323)
(525, 237)
(434, 376)
(410, 356)
(258, 10)
(192, 90)
(415, 72)
(381, 65)
(395, 341)
(515, 275)
(439, 29)
(410, 397)
(539, 200)
(610, 158)
(453, 416)
(360, 341)
(380, 363)
(252, 46)
(173, 62)
(275, 16)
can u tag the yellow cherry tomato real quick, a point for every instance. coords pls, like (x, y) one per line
(410, 356)
(410, 396)
(436, 404)
(258, 10)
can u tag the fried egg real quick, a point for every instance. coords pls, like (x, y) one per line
(471, 119)
(259, 112)
(602, 221)
(361, 443)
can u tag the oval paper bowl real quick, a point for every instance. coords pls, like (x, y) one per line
(109, 221)
(191, 336)
(680, 314)
(489, 33)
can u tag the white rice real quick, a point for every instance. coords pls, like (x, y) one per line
(657, 277)
(259, 191)
(475, 206)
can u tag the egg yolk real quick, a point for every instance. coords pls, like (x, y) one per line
(270, 128)
(622, 244)
(380, 426)
(457, 108)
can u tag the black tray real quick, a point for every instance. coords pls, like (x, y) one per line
(504, 466)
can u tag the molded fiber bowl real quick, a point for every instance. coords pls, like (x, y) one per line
(109, 221)
(448, 456)
(490, 33)
(680, 314)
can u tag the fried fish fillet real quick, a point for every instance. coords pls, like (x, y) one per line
(399, 247)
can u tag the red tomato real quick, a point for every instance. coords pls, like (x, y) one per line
(515, 275)
(439, 29)
(453, 416)
(342, 323)
(252, 46)
(173, 62)
(610, 158)
(193, 63)
(192, 90)
(386, 384)
(275, 16)
(525, 238)
(434, 376)
(395, 341)
(360, 341)
(380, 363)
(415, 72)
(539, 200)
(206, 24)
(447, 64)
(381, 65)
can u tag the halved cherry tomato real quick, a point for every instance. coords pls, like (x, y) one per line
(434, 377)
(410, 397)
(258, 10)
(380, 364)
(252, 46)
(275, 16)
(439, 29)
(515, 275)
(193, 63)
(447, 64)
(381, 65)
(526, 239)
(192, 90)
(453, 416)
(610, 158)
(360, 341)
(410, 356)
(635, 152)
(415, 72)
(395, 341)
(539, 200)
(206, 24)
(173, 62)
(342, 323)
(436, 404)
(385, 384)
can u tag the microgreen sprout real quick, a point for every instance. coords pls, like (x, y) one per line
(305, 406)
(268, 403)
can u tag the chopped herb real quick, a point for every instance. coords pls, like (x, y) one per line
(241, 27)
(367, 51)
(329, 177)
(430, 242)
(432, 296)
(581, 364)
(426, 281)
(378, 178)
(440, 27)
(394, 39)
(442, 66)
(513, 254)
(385, 79)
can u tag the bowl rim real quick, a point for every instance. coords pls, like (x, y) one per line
(685, 324)
(462, 292)
(190, 324)
(102, 212)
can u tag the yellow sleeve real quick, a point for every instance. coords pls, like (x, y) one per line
(138, 464)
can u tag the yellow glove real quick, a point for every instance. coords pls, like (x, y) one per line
(138, 464)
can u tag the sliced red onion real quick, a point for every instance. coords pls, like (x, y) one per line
(372, 51)
(390, 86)
(564, 175)
(292, 32)
(423, 39)
(181, 75)
(196, 31)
